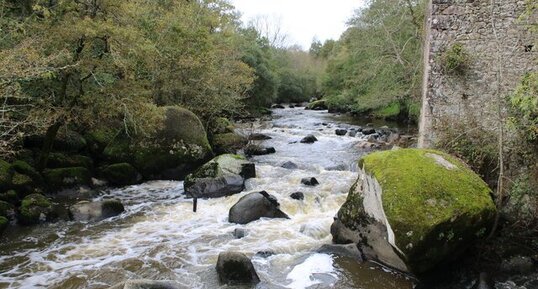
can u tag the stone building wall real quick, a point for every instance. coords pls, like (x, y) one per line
(501, 49)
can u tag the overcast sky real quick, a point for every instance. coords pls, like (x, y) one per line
(303, 19)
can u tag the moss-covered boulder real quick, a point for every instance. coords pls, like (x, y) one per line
(98, 139)
(412, 209)
(10, 196)
(228, 143)
(65, 178)
(222, 176)
(61, 160)
(122, 174)
(66, 140)
(222, 125)
(6, 209)
(6, 173)
(4, 222)
(179, 145)
(35, 209)
(317, 105)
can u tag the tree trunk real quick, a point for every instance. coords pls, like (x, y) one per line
(50, 136)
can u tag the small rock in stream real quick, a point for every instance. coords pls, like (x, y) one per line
(297, 196)
(341, 132)
(368, 131)
(239, 233)
(289, 165)
(309, 182)
(235, 268)
(254, 150)
(259, 136)
(309, 139)
(147, 284)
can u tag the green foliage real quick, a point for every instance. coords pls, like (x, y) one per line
(524, 108)
(377, 61)
(523, 203)
(455, 60)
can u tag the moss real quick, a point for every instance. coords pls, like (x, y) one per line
(182, 124)
(317, 105)
(5, 175)
(112, 208)
(5, 208)
(121, 174)
(26, 169)
(99, 138)
(216, 167)
(32, 207)
(455, 60)
(69, 140)
(67, 177)
(4, 222)
(440, 198)
(228, 143)
(62, 160)
(222, 125)
(10, 197)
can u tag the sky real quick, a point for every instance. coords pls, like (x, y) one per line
(302, 20)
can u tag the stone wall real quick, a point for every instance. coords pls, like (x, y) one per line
(501, 49)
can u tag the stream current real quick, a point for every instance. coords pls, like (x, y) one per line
(160, 238)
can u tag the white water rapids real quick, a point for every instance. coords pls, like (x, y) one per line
(160, 238)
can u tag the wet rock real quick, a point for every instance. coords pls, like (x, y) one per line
(341, 132)
(95, 211)
(280, 106)
(222, 176)
(430, 229)
(259, 136)
(393, 138)
(66, 178)
(255, 150)
(340, 167)
(317, 105)
(353, 133)
(265, 254)
(289, 165)
(518, 265)
(239, 233)
(309, 139)
(148, 284)
(228, 143)
(122, 174)
(368, 131)
(348, 250)
(255, 206)
(35, 209)
(484, 282)
(297, 196)
(248, 171)
(235, 268)
(310, 182)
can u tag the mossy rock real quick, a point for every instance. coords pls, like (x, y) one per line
(430, 205)
(66, 140)
(5, 209)
(4, 222)
(122, 174)
(228, 143)
(23, 167)
(64, 178)
(10, 196)
(222, 176)
(6, 173)
(97, 139)
(34, 209)
(222, 125)
(180, 143)
(317, 105)
(62, 160)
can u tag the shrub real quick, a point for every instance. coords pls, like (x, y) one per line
(455, 60)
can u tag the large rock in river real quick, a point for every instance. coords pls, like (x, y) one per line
(255, 206)
(175, 148)
(235, 268)
(224, 175)
(95, 211)
(412, 209)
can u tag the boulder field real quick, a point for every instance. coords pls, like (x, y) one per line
(412, 209)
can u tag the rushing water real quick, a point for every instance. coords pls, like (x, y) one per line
(160, 238)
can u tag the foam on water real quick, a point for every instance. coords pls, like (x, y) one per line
(304, 275)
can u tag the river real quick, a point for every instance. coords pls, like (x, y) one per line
(160, 238)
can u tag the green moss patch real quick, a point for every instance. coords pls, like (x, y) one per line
(5, 175)
(228, 143)
(33, 207)
(121, 174)
(5, 208)
(10, 197)
(67, 177)
(4, 222)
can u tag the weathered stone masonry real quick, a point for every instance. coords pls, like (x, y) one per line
(501, 50)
